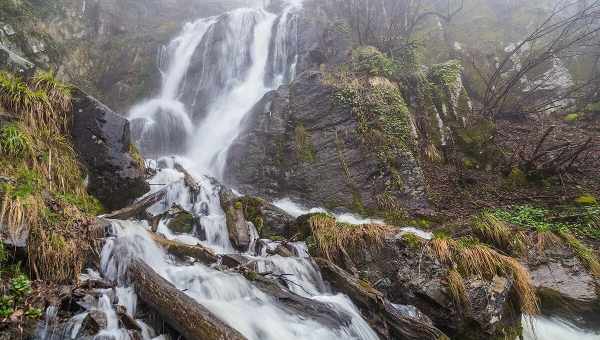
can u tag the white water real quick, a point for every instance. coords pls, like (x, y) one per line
(254, 55)
(545, 328)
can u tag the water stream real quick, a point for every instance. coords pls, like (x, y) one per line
(213, 72)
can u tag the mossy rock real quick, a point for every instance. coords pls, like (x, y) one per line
(252, 207)
(183, 223)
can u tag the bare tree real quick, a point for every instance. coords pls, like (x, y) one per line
(387, 24)
(569, 31)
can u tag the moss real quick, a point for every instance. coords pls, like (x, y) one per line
(305, 149)
(370, 60)
(586, 199)
(517, 177)
(183, 223)
(446, 74)
(252, 207)
(85, 203)
(571, 117)
(136, 155)
(413, 241)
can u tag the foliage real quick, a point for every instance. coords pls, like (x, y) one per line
(14, 142)
(471, 258)
(370, 60)
(332, 238)
(305, 149)
(45, 194)
(446, 74)
(550, 227)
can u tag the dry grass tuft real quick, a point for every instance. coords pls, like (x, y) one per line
(457, 289)
(585, 254)
(492, 229)
(523, 286)
(332, 237)
(55, 257)
(471, 258)
(433, 153)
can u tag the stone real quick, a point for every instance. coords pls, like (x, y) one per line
(102, 141)
(332, 167)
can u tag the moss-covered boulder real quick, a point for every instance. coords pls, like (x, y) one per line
(182, 222)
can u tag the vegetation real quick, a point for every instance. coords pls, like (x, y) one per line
(467, 257)
(332, 239)
(512, 230)
(44, 194)
(15, 291)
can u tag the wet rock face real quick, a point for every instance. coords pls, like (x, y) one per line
(565, 287)
(300, 142)
(410, 276)
(102, 141)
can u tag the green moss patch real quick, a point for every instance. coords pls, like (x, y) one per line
(182, 223)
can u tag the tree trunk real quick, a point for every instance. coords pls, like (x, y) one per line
(182, 250)
(180, 311)
(138, 209)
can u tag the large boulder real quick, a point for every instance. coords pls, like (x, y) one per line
(102, 140)
(302, 142)
(408, 275)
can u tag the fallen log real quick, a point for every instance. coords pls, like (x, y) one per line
(183, 250)
(385, 319)
(138, 209)
(184, 314)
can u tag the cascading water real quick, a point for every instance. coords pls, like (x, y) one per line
(217, 69)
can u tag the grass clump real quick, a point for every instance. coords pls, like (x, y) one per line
(305, 149)
(457, 289)
(468, 257)
(554, 228)
(332, 238)
(14, 142)
(585, 254)
(43, 195)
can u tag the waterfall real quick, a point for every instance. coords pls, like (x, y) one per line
(213, 73)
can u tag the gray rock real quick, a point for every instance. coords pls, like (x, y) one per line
(102, 141)
(332, 167)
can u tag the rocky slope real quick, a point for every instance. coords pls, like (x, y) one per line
(109, 48)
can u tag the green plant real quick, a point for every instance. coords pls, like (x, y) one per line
(372, 61)
(446, 74)
(14, 142)
(20, 286)
(571, 117)
(34, 313)
(6, 306)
